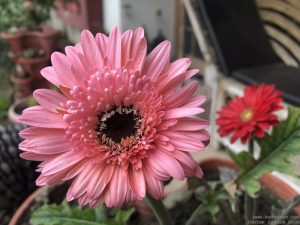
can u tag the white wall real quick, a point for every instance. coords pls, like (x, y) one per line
(111, 14)
(130, 14)
(143, 13)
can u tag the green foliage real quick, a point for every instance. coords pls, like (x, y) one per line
(32, 53)
(64, 214)
(4, 104)
(276, 151)
(23, 13)
(210, 198)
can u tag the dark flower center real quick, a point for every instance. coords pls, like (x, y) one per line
(118, 124)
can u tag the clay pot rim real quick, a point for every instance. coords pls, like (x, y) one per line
(208, 164)
(13, 115)
(20, 211)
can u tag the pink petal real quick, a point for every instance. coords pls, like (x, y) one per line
(75, 170)
(117, 190)
(35, 132)
(100, 180)
(35, 156)
(176, 68)
(190, 73)
(49, 99)
(39, 117)
(79, 185)
(169, 86)
(182, 96)
(77, 67)
(157, 60)
(102, 41)
(196, 101)
(138, 54)
(126, 46)
(62, 68)
(62, 162)
(114, 48)
(189, 165)
(190, 124)
(182, 112)
(154, 186)
(50, 180)
(91, 50)
(50, 144)
(137, 182)
(49, 74)
(163, 163)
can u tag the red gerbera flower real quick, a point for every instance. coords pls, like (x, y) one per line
(251, 114)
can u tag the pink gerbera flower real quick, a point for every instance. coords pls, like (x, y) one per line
(122, 123)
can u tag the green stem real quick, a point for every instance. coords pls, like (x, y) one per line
(159, 210)
(194, 216)
(251, 146)
(228, 213)
(247, 208)
(249, 204)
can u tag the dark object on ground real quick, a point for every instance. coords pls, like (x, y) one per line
(17, 176)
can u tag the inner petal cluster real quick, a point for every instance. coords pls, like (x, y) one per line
(115, 121)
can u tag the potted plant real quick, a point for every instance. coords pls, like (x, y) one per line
(32, 61)
(22, 25)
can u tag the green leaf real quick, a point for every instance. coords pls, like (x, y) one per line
(244, 160)
(64, 214)
(276, 151)
(123, 216)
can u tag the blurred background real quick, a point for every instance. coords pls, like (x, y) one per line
(233, 43)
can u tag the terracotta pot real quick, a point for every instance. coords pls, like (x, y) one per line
(17, 107)
(33, 66)
(14, 40)
(56, 195)
(23, 86)
(269, 181)
(46, 39)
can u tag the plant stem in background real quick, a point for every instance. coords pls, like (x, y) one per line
(159, 210)
(249, 202)
(294, 202)
(228, 213)
(247, 208)
(251, 146)
(195, 215)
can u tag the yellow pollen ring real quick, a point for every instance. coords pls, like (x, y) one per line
(246, 115)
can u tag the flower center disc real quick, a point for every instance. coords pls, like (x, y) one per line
(118, 126)
(246, 115)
